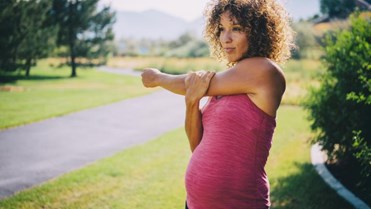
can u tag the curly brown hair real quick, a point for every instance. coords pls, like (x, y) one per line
(266, 23)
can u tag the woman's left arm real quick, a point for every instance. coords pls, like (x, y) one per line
(196, 86)
(193, 124)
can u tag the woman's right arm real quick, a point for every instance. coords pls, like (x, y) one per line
(152, 77)
(248, 76)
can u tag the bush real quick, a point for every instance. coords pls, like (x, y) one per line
(340, 109)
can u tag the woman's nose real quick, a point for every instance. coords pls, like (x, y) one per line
(225, 37)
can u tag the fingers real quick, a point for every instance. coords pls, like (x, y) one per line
(199, 79)
(190, 76)
(197, 84)
(209, 75)
(202, 73)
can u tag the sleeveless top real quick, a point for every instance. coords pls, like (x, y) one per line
(226, 169)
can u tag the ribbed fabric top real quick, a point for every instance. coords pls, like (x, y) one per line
(226, 169)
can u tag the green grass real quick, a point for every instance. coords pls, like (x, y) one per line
(151, 175)
(50, 92)
(301, 75)
(294, 182)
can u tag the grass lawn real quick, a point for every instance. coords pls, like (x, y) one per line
(152, 176)
(49, 92)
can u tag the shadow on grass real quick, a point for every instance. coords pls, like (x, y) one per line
(13, 78)
(349, 174)
(305, 190)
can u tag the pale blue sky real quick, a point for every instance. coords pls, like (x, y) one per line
(193, 9)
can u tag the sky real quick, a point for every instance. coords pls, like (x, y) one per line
(190, 10)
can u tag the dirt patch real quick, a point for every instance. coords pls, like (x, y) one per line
(12, 88)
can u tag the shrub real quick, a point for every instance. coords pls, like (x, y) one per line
(340, 109)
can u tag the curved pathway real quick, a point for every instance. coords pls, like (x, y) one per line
(32, 154)
(318, 161)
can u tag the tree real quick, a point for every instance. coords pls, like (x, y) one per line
(39, 38)
(337, 8)
(83, 29)
(24, 35)
(341, 108)
(8, 36)
(182, 40)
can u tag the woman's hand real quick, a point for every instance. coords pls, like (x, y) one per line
(151, 77)
(197, 84)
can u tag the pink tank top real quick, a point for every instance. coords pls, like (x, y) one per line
(226, 169)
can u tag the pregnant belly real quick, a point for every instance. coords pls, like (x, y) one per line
(211, 177)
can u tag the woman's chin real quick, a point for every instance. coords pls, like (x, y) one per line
(232, 60)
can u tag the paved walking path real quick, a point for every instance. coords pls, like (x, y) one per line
(119, 71)
(32, 154)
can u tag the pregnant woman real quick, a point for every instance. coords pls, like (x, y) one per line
(231, 136)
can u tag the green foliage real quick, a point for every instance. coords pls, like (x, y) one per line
(182, 40)
(83, 29)
(191, 49)
(29, 30)
(97, 41)
(25, 35)
(185, 46)
(362, 152)
(340, 109)
(329, 30)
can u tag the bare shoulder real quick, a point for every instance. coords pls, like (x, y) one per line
(264, 70)
(253, 76)
(260, 65)
(267, 82)
(265, 75)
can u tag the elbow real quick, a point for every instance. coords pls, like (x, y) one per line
(194, 141)
(193, 147)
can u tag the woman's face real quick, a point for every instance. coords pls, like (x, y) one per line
(233, 37)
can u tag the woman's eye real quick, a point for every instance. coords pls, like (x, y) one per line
(238, 29)
(221, 29)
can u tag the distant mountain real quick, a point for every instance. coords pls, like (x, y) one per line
(152, 24)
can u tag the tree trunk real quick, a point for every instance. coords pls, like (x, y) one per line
(72, 39)
(28, 67)
(73, 62)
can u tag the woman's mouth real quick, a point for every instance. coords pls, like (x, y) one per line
(229, 50)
